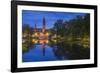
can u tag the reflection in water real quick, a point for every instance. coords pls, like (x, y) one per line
(72, 51)
(60, 51)
(36, 54)
(43, 47)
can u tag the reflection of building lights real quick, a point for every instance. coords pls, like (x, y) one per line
(41, 41)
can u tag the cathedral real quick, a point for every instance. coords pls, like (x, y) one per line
(40, 34)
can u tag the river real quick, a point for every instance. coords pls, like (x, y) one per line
(59, 52)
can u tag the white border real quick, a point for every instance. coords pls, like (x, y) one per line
(53, 63)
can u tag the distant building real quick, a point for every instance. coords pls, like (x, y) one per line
(40, 33)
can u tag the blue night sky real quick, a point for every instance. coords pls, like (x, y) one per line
(36, 17)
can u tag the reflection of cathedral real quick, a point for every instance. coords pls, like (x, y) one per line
(40, 34)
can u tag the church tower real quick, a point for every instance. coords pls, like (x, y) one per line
(44, 25)
(35, 28)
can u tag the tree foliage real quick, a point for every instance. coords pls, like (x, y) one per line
(77, 27)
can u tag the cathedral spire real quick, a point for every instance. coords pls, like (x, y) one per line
(35, 28)
(44, 25)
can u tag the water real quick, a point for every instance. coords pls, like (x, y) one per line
(36, 54)
(56, 52)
